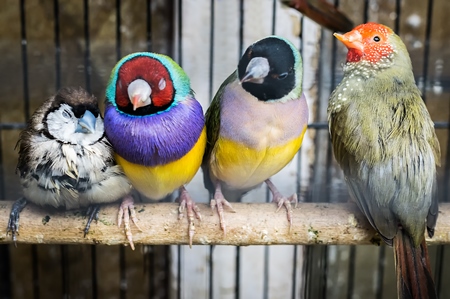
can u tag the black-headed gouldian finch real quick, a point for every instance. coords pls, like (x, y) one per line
(384, 140)
(157, 129)
(65, 160)
(255, 124)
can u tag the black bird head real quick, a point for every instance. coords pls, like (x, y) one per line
(267, 69)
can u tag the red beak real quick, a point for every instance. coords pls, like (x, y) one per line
(352, 40)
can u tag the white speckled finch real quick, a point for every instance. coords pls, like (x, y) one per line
(65, 160)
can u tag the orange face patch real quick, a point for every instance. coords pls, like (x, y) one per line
(368, 42)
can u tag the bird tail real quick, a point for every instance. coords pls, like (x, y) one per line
(412, 265)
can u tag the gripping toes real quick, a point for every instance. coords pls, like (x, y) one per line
(283, 201)
(218, 204)
(92, 213)
(126, 211)
(13, 222)
(286, 202)
(192, 211)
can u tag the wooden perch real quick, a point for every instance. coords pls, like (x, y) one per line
(252, 224)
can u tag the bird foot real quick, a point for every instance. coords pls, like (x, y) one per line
(192, 211)
(126, 211)
(280, 200)
(92, 212)
(218, 203)
(14, 216)
(286, 202)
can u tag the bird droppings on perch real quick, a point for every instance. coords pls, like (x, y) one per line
(252, 224)
(352, 220)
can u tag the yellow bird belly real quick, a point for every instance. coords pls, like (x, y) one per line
(155, 182)
(241, 167)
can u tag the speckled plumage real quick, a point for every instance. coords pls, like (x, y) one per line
(68, 173)
(398, 140)
(63, 168)
(384, 140)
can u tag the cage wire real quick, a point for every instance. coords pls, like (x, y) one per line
(160, 271)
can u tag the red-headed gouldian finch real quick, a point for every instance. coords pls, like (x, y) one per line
(157, 129)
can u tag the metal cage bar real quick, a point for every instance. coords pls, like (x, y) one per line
(5, 277)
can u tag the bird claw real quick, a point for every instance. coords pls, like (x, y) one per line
(218, 203)
(126, 211)
(14, 216)
(283, 201)
(192, 212)
(286, 202)
(92, 212)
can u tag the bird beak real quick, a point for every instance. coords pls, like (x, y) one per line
(86, 124)
(352, 40)
(136, 101)
(256, 71)
(139, 93)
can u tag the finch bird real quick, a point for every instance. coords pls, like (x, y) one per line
(255, 124)
(157, 129)
(65, 160)
(384, 141)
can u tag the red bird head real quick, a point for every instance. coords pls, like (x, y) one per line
(144, 85)
(369, 42)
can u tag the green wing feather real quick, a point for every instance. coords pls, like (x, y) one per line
(212, 120)
(386, 159)
(212, 117)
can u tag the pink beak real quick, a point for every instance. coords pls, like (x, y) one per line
(136, 102)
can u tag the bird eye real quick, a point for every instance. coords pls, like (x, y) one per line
(376, 38)
(282, 76)
(66, 114)
(162, 84)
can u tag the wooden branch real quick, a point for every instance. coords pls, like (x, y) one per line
(252, 224)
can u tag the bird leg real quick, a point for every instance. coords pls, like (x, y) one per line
(126, 211)
(92, 212)
(280, 200)
(219, 201)
(14, 215)
(186, 202)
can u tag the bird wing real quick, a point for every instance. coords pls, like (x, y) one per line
(434, 209)
(389, 161)
(212, 122)
(35, 126)
(212, 117)
(364, 188)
